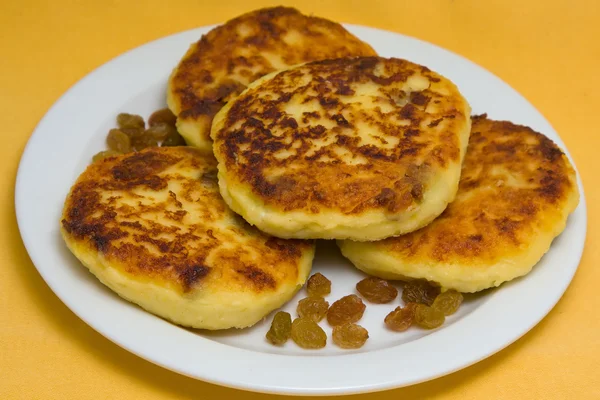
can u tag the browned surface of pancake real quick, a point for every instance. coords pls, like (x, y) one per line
(229, 57)
(516, 192)
(327, 159)
(514, 182)
(158, 216)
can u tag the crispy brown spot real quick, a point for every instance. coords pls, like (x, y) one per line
(289, 123)
(175, 215)
(257, 277)
(419, 98)
(174, 197)
(385, 196)
(193, 274)
(409, 111)
(435, 122)
(340, 120)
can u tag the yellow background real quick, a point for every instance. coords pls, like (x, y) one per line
(549, 50)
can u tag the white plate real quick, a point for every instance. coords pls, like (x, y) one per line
(74, 129)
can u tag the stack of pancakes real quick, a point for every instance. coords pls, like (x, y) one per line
(298, 131)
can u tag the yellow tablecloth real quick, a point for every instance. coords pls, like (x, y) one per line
(549, 50)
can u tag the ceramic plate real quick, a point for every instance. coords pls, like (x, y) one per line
(75, 128)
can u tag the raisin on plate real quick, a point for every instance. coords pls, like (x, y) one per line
(349, 336)
(401, 318)
(281, 328)
(348, 309)
(428, 317)
(307, 334)
(376, 290)
(448, 302)
(419, 292)
(318, 285)
(312, 307)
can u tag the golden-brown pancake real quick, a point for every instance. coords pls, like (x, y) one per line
(516, 191)
(225, 60)
(354, 148)
(153, 228)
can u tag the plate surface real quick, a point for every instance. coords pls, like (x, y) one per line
(74, 129)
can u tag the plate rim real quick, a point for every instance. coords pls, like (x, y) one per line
(231, 353)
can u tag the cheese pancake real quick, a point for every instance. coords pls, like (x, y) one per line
(354, 148)
(516, 191)
(225, 60)
(152, 227)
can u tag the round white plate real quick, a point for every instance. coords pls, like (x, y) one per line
(74, 129)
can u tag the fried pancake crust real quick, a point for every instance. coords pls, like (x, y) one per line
(227, 59)
(516, 191)
(153, 227)
(361, 148)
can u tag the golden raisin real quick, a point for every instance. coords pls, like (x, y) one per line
(349, 336)
(125, 120)
(307, 334)
(132, 132)
(448, 302)
(104, 154)
(318, 285)
(401, 318)
(346, 310)
(162, 116)
(376, 290)
(312, 307)
(281, 328)
(209, 177)
(118, 141)
(173, 139)
(428, 317)
(144, 141)
(160, 131)
(419, 292)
